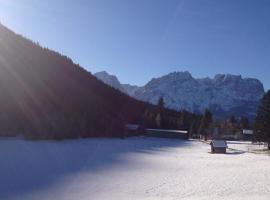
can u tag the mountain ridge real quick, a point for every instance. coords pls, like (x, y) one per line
(44, 95)
(224, 94)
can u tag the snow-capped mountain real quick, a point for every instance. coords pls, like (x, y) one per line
(112, 81)
(224, 95)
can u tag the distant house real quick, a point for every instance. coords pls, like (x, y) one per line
(247, 134)
(132, 130)
(162, 133)
(218, 146)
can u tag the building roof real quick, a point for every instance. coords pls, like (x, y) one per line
(132, 126)
(247, 132)
(219, 143)
(168, 131)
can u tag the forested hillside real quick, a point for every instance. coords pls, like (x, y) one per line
(45, 95)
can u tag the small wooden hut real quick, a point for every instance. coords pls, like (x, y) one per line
(218, 146)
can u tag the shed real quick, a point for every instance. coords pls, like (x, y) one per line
(132, 129)
(247, 134)
(218, 146)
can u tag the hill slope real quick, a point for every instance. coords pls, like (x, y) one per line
(46, 95)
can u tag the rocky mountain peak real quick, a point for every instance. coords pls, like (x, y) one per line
(110, 80)
(225, 94)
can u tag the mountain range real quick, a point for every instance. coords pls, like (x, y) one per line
(225, 95)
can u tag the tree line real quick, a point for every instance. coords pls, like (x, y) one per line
(162, 118)
(262, 122)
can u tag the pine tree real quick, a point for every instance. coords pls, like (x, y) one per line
(262, 122)
(161, 104)
(244, 123)
(233, 124)
(205, 123)
(159, 119)
(185, 120)
(233, 120)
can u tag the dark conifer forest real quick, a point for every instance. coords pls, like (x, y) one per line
(262, 123)
(44, 95)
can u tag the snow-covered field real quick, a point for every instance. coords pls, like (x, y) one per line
(130, 169)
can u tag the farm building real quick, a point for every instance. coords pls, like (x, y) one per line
(132, 130)
(162, 133)
(218, 146)
(247, 134)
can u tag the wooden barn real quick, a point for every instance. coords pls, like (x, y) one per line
(218, 146)
(162, 133)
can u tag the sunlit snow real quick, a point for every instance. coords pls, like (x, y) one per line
(134, 168)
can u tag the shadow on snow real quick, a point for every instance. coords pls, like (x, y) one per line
(28, 166)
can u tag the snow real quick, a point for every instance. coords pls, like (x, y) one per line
(180, 90)
(133, 168)
(219, 143)
(132, 126)
(164, 130)
(247, 132)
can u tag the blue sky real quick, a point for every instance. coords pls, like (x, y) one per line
(140, 39)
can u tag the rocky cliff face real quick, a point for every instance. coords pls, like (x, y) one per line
(112, 81)
(224, 95)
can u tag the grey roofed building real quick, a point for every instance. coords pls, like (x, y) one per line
(163, 133)
(247, 132)
(132, 130)
(132, 126)
(218, 146)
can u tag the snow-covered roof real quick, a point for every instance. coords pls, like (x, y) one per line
(170, 131)
(247, 132)
(219, 143)
(132, 126)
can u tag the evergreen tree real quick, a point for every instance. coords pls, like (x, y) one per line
(233, 124)
(205, 123)
(233, 120)
(262, 122)
(185, 120)
(195, 125)
(161, 104)
(244, 123)
(159, 119)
